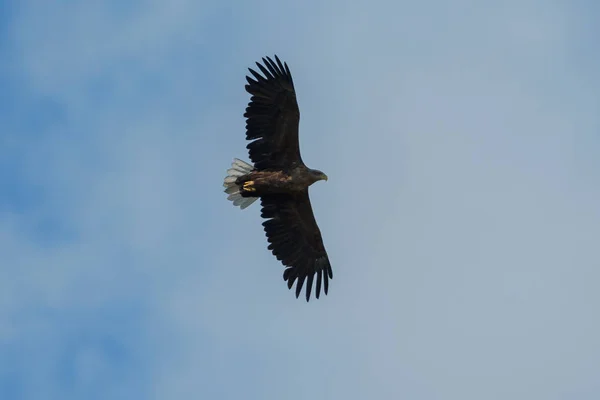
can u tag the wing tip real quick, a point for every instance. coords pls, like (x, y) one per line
(292, 278)
(274, 70)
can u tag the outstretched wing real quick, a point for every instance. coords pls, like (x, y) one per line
(295, 239)
(272, 117)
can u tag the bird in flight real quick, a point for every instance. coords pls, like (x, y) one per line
(280, 179)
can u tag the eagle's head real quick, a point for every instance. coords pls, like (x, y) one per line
(317, 175)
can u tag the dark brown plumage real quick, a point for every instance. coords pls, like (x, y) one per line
(280, 178)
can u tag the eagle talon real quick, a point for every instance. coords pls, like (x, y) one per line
(249, 186)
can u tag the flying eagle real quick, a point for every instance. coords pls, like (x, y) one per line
(280, 179)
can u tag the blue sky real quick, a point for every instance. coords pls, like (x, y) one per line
(461, 215)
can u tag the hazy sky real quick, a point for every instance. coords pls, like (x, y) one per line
(461, 215)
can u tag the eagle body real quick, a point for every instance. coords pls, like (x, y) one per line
(264, 183)
(280, 179)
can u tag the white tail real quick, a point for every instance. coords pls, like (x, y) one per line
(238, 168)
